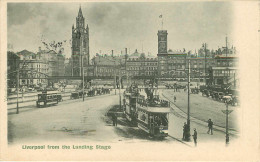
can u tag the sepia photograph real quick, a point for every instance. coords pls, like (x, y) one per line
(107, 78)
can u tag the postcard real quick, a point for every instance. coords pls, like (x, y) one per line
(129, 81)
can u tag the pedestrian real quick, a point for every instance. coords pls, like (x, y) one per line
(195, 137)
(210, 125)
(184, 130)
(174, 98)
(113, 119)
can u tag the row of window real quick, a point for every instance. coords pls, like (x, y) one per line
(141, 68)
(218, 72)
(105, 70)
(147, 73)
(141, 64)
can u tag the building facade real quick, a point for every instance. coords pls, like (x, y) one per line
(142, 66)
(80, 45)
(34, 69)
(225, 71)
(200, 68)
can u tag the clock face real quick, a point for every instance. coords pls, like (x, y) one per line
(162, 47)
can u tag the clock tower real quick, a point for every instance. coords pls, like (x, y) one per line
(162, 41)
(162, 53)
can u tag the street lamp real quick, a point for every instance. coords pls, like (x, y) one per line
(187, 128)
(187, 136)
(17, 86)
(227, 112)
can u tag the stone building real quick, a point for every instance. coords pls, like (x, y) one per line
(55, 62)
(141, 65)
(107, 65)
(80, 45)
(198, 71)
(33, 69)
(225, 71)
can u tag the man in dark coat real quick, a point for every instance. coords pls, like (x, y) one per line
(195, 137)
(210, 125)
(184, 130)
(114, 119)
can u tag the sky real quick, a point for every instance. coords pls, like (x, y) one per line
(116, 26)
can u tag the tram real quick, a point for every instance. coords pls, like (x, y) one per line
(130, 100)
(153, 115)
(47, 98)
(149, 113)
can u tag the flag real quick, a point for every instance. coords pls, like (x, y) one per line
(160, 16)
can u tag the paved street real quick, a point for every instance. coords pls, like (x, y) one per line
(203, 108)
(74, 120)
(176, 122)
(82, 120)
(87, 121)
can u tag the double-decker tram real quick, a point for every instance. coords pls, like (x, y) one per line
(153, 114)
(47, 98)
(130, 100)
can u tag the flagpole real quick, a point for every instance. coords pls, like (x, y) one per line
(162, 23)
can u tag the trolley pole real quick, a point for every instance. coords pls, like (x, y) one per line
(188, 114)
(82, 69)
(115, 76)
(205, 62)
(226, 60)
(227, 135)
(125, 66)
(120, 90)
(83, 84)
(18, 87)
(227, 112)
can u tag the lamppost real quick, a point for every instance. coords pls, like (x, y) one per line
(227, 112)
(82, 69)
(187, 127)
(205, 48)
(17, 86)
(187, 137)
(119, 89)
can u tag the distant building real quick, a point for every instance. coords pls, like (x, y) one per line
(107, 65)
(174, 63)
(36, 68)
(141, 65)
(225, 71)
(68, 67)
(80, 45)
(198, 71)
(33, 70)
(55, 62)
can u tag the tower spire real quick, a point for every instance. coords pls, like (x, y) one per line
(80, 12)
